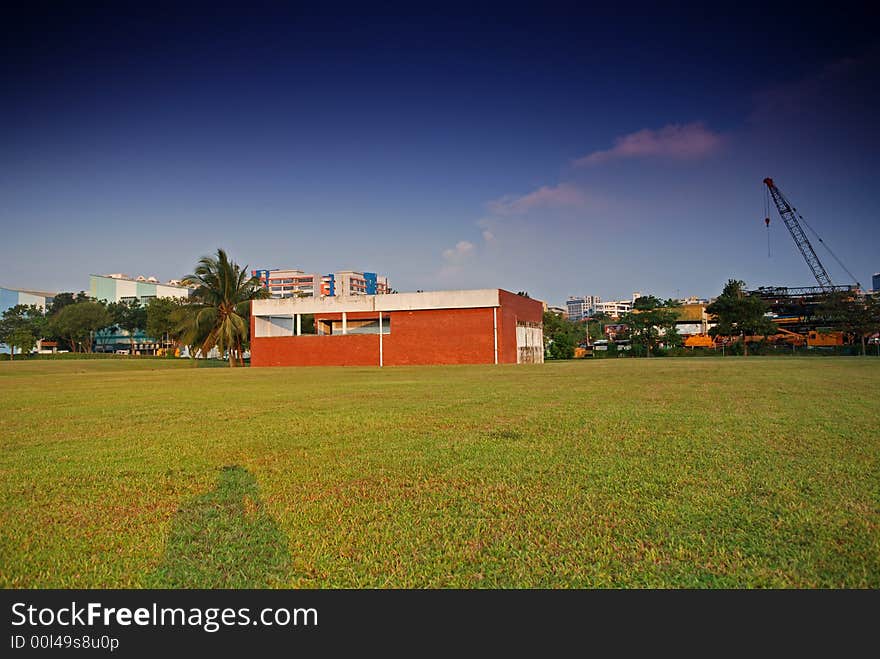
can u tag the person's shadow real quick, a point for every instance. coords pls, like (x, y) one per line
(224, 539)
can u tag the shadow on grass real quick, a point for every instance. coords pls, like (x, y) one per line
(224, 539)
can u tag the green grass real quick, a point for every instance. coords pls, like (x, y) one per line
(613, 473)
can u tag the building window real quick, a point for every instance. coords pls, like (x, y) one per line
(363, 326)
(266, 326)
(273, 326)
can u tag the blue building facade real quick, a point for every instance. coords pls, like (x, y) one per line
(372, 282)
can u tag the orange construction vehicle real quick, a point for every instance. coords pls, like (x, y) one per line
(787, 336)
(813, 339)
(699, 341)
(820, 339)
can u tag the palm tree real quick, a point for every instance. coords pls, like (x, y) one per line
(220, 308)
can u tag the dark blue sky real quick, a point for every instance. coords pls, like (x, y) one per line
(559, 150)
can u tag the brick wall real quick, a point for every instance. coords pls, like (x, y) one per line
(514, 307)
(441, 336)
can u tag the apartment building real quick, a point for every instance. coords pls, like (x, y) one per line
(287, 283)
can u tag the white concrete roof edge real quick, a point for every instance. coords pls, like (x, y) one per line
(462, 299)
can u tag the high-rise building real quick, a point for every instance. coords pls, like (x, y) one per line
(581, 307)
(875, 282)
(284, 283)
(287, 282)
(349, 282)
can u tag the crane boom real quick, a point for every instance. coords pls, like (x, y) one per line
(789, 216)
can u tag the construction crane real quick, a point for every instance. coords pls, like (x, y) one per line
(789, 216)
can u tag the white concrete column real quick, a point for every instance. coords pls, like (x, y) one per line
(495, 330)
(344, 323)
(380, 340)
(298, 324)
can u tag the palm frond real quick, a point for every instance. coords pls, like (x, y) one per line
(220, 305)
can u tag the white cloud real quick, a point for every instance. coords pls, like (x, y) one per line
(675, 141)
(564, 194)
(462, 250)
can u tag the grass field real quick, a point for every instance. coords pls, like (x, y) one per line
(614, 473)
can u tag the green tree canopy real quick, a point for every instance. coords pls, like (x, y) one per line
(740, 314)
(651, 321)
(129, 316)
(21, 327)
(853, 314)
(60, 301)
(219, 312)
(77, 323)
(165, 315)
(596, 325)
(561, 336)
(63, 299)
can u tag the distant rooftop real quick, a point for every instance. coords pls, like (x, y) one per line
(177, 283)
(30, 292)
(424, 300)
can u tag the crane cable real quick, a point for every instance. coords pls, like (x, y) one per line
(819, 238)
(767, 217)
(807, 224)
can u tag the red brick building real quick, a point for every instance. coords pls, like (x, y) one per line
(487, 326)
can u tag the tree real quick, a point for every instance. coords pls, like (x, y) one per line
(858, 316)
(63, 299)
(650, 321)
(129, 316)
(58, 303)
(872, 318)
(21, 327)
(561, 336)
(187, 328)
(220, 308)
(596, 325)
(740, 314)
(164, 317)
(77, 323)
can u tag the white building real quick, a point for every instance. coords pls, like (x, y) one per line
(591, 305)
(351, 282)
(117, 287)
(614, 309)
